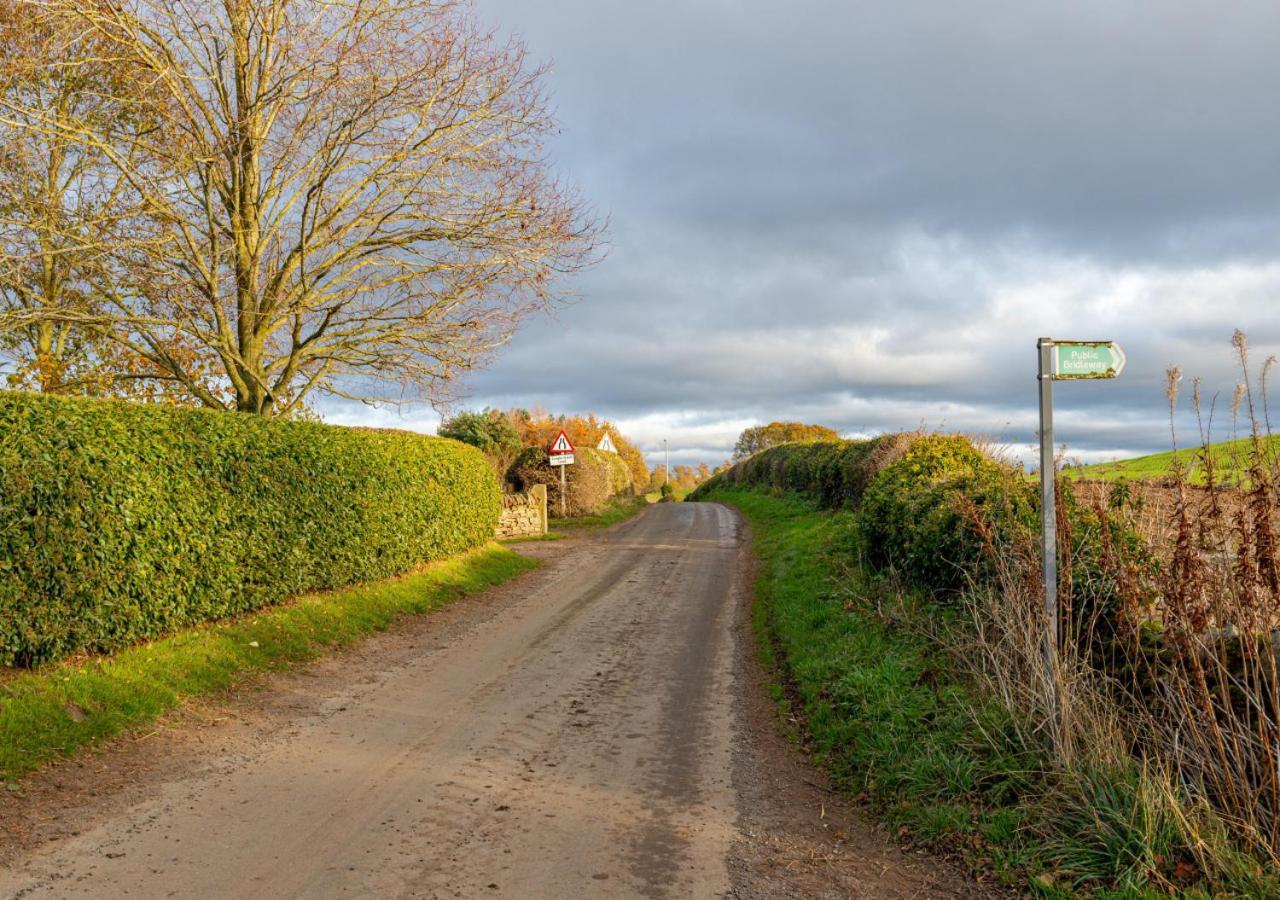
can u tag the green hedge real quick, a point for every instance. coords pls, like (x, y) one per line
(922, 513)
(589, 482)
(835, 473)
(619, 473)
(928, 505)
(120, 521)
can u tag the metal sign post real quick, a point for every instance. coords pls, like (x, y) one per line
(1049, 521)
(1061, 360)
(560, 454)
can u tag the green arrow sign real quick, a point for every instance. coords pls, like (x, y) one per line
(1087, 359)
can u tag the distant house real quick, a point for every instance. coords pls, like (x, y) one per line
(606, 444)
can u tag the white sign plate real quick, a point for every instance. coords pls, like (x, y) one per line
(562, 459)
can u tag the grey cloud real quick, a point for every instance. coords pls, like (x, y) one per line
(1104, 118)
(865, 213)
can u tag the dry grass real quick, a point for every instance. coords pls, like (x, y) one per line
(1181, 685)
(1127, 772)
(1216, 684)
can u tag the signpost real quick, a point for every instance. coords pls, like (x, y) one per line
(1086, 359)
(561, 454)
(1062, 360)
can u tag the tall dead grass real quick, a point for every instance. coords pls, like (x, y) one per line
(1216, 685)
(1180, 688)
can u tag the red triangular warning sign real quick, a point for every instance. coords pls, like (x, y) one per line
(561, 444)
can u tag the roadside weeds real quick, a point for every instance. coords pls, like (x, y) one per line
(883, 702)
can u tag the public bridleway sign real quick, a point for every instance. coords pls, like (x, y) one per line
(1087, 359)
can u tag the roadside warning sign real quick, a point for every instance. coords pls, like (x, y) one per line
(561, 444)
(561, 455)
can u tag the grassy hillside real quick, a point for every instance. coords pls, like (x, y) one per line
(1230, 459)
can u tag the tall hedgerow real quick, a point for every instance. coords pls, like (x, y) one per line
(915, 520)
(589, 481)
(121, 521)
(934, 507)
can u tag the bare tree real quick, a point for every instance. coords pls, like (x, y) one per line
(64, 207)
(353, 195)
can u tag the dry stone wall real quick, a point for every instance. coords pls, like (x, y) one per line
(524, 514)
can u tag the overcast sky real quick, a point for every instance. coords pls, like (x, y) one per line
(863, 214)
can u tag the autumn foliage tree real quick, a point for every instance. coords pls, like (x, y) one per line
(761, 437)
(350, 198)
(685, 478)
(538, 428)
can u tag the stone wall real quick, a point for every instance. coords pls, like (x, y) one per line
(524, 514)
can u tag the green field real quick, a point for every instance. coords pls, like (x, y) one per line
(1230, 460)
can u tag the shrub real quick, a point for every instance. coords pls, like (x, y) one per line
(538, 429)
(490, 431)
(835, 473)
(119, 522)
(619, 473)
(588, 481)
(937, 509)
(923, 513)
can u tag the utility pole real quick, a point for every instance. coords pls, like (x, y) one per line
(666, 462)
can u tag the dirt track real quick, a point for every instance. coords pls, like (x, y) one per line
(596, 729)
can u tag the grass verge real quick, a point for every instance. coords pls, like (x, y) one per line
(526, 538)
(619, 510)
(881, 712)
(49, 713)
(872, 674)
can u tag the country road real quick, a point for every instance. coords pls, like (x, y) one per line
(595, 729)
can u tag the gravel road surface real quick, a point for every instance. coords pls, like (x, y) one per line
(595, 729)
